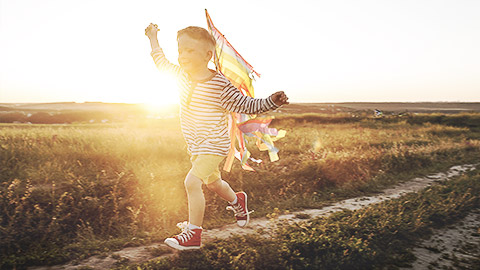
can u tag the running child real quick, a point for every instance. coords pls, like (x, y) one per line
(206, 98)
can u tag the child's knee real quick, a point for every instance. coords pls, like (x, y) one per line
(192, 182)
(214, 186)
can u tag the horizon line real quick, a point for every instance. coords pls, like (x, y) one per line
(293, 102)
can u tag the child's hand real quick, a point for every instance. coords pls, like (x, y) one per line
(279, 98)
(151, 31)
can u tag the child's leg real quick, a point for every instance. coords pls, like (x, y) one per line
(238, 201)
(196, 199)
(223, 190)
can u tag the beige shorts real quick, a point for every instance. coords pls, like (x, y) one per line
(206, 167)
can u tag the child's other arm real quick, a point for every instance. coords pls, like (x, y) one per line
(233, 100)
(157, 53)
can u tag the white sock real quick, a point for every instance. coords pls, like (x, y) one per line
(191, 226)
(234, 201)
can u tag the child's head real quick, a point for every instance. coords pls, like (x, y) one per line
(195, 48)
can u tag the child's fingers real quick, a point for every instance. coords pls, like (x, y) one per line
(151, 28)
(154, 26)
(284, 98)
(281, 97)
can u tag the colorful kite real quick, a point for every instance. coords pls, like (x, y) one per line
(241, 74)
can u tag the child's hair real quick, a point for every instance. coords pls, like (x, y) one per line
(198, 33)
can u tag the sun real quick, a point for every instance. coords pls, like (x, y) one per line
(164, 95)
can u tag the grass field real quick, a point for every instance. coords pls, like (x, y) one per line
(376, 237)
(69, 191)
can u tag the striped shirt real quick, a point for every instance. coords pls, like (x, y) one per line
(205, 107)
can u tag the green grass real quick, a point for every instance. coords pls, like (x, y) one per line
(69, 191)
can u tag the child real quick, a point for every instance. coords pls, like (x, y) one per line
(206, 97)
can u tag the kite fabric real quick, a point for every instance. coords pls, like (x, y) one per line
(241, 74)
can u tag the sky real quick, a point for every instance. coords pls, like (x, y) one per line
(315, 51)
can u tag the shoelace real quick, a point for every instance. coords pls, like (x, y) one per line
(186, 233)
(238, 210)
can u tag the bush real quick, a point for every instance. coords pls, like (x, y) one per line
(12, 117)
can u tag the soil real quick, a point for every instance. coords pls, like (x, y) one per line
(448, 242)
(454, 247)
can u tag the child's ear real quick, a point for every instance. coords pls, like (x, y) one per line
(209, 55)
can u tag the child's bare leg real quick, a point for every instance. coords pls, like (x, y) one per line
(196, 199)
(223, 190)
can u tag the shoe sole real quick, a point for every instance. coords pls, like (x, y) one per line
(179, 247)
(246, 210)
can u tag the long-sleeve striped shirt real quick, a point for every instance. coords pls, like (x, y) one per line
(205, 106)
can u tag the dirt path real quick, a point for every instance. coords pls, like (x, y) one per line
(145, 253)
(454, 247)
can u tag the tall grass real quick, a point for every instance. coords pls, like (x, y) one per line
(64, 184)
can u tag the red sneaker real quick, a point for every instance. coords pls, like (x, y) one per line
(240, 209)
(187, 239)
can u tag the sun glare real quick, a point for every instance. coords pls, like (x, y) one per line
(164, 96)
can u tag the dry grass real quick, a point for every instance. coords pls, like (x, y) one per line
(61, 184)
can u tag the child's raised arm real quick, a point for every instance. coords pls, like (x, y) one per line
(151, 33)
(157, 53)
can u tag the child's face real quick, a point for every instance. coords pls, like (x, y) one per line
(193, 55)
